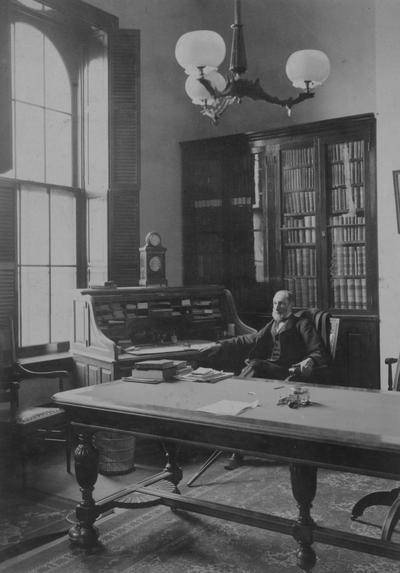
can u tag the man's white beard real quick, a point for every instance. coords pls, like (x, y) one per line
(277, 316)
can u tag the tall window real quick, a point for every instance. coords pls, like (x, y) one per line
(59, 134)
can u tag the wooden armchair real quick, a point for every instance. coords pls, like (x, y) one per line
(327, 327)
(26, 394)
(389, 498)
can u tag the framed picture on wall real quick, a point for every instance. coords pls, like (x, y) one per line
(396, 183)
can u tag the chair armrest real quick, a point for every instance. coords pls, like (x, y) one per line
(42, 373)
(389, 362)
(48, 374)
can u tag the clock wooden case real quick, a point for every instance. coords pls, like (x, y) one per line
(152, 261)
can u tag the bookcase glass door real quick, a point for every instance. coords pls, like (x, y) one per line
(298, 224)
(207, 230)
(345, 164)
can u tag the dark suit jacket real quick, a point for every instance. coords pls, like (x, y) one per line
(298, 340)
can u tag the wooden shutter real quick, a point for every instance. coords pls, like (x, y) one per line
(8, 253)
(5, 89)
(124, 57)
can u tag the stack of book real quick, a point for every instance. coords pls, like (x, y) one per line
(204, 375)
(156, 371)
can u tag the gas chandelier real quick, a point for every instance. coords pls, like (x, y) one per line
(202, 51)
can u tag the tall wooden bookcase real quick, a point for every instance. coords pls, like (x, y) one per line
(306, 222)
(218, 217)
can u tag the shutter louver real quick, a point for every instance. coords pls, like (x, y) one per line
(124, 54)
(8, 266)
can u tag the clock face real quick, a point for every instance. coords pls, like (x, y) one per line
(155, 264)
(154, 239)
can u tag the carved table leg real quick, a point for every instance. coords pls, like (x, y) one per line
(304, 487)
(86, 471)
(172, 465)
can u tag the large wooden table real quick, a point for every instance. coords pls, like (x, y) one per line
(343, 429)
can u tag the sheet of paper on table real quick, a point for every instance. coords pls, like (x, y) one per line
(229, 407)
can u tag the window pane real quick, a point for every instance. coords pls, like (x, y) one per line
(29, 64)
(58, 148)
(29, 142)
(34, 226)
(11, 172)
(35, 312)
(57, 84)
(96, 125)
(97, 240)
(63, 281)
(63, 228)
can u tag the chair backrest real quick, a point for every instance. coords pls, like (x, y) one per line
(327, 327)
(396, 380)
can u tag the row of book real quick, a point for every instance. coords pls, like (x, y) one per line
(297, 157)
(304, 290)
(299, 229)
(241, 201)
(299, 202)
(350, 293)
(347, 228)
(300, 261)
(203, 203)
(348, 150)
(342, 196)
(345, 173)
(348, 260)
(298, 178)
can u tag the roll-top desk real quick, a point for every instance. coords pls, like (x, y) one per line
(115, 327)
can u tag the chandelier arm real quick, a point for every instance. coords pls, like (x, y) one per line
(252, 89)
(240, 88)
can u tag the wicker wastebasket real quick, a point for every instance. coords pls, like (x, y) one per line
(116, 453)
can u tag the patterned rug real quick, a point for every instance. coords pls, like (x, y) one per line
(159, 541)
(24, 521)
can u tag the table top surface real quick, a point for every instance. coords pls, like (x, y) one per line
(336, 414)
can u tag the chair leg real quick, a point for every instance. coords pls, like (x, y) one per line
(376, 498)
(68, 448)
(23, 458)
(391, 520)
(214, 456)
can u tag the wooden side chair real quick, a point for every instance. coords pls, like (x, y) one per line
(30, 416)
(388, 498)
(328, 328)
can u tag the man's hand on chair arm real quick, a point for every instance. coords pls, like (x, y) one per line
(305, 367)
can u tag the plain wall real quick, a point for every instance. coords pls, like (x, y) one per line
(388, 160)
(344, 29)
(362, 41)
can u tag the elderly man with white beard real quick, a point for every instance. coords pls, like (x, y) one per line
(287, 344)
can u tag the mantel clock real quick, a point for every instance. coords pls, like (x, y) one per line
(152, 261)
